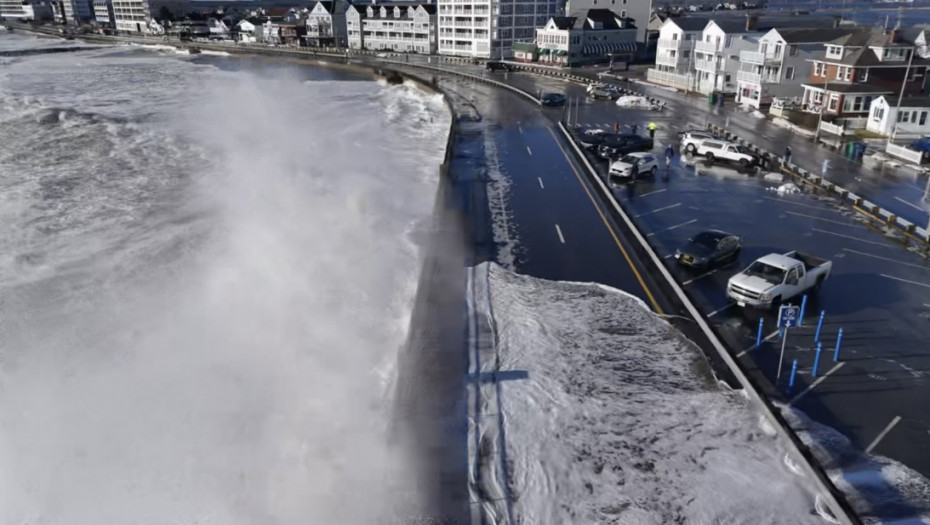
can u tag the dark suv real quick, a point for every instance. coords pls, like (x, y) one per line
(617, 145)
(498, 66)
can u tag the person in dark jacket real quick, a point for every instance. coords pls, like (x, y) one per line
(787, 155)
(634, 171)
(669, 155)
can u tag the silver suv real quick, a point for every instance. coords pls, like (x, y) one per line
(690, 140)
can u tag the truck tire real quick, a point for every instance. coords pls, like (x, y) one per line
(709, 156)
(816, 288)
(743, 163)
(776, 303)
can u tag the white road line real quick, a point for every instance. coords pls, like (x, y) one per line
(816, 382)
(703, 275)
(659, 209)
(653, 192)
(771, 335)
(670, 228)
(528, 150)
(850, 237)
(672, 254)
(904, 280)
(715, 312)
(910, 204)
(850, 223)
(540, 182)
(881, 436)
(788, 201)
(885, 258)
(520, 128)
(559, 231)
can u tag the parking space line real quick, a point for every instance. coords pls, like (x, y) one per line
(816, 382)
(905, 280)
(715, 312)
(671, 254)
(881, 436)
(788, 201)
(559, 231)
(659, 209)
(653, 192)
(849, 224)
(770, 336)
(540, 182)
(520, 128)
(850, 237)
(670, 228)
(528, 150)
(885, 258)
(703, 275)
(910, 204)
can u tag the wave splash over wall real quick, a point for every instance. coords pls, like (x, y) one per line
(202, 306)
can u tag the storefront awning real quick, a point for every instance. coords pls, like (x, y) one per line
(606, 48)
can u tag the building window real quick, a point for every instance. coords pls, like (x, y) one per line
(623, 13)
(789, 72)
(878, 113)
(848, 74)
(820, 69)
(793, 51)
(903, 116)
(923, 118)
(834, 100)
(839, 72)
(913, 116)
(863, 74)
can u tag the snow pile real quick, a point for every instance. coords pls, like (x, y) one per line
(878, 488)
(758, 114)
(599, 411)
(773, 176)
(788, 188)
(633, 101)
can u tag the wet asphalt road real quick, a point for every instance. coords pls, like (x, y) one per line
(879, 292)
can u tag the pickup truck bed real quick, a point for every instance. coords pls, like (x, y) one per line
(810, 261)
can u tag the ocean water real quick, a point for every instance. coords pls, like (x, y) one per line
(206, 271)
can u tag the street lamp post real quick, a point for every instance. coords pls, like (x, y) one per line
(823, 103)
(897, 110)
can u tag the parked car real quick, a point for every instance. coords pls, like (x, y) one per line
(775, 278)
(621, 170)
(603, 93)
(496, 65)
(621, 144)
(552, 100)
(717, 150)
(592, 138)
(691, 139)
(921, 144)
(708, 249)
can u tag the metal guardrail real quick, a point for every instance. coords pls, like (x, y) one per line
(858, 203)
(833, 497)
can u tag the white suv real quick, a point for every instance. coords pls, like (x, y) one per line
(714, 150)
(690, 140)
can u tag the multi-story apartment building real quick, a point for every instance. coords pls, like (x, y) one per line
(674, 52)
(103, 13)
(78, 11)
(401, 27)
(326, 23)
(780, 64)
(136, 16)
(716, 53)
(489, 28)
(856, 68)
(37, 10)
(639, 10)
(590, 36)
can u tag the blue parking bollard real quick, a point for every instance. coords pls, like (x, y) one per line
(759, 335)
(839, 339)
(803, 309)
(794, 372)
(817, 360)
(819, 326)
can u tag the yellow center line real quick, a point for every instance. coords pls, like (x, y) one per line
(629, 261)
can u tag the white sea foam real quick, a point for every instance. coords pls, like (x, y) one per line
(206, 276)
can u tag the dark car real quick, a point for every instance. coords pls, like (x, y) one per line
(552, 100)
(708, 249)
(592, 138)
(621, 144)
(604, 92)
(498, 66)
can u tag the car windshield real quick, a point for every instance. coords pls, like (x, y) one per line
(629, 159)
(771, 274)
(705, 239)
(742, 149)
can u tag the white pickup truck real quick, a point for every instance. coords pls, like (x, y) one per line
(775, 278)
(715, 150)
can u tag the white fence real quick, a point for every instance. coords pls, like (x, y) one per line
(685, 82)
(904, 153)
(833, 129)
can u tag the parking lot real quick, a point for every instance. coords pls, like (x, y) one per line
(879, 292)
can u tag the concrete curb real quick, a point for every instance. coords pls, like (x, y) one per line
(859, 204)
(833, 496)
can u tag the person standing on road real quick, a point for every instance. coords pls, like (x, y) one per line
(787, 155)
(652, 130)
(634, 171)
(635, 127)
(616, 127)
(669, 155)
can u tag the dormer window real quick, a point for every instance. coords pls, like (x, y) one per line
(835, 51)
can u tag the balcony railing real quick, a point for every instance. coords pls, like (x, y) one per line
(755, 57)
(668, 61)
(669, 44)
(706, 47)
(707, 65)
(748, 76)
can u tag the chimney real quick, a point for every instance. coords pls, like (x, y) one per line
(752, 21)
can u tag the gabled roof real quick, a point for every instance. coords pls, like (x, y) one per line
(563, 22)
(908, 102)
(688, 23)
(812, 36)
(869, 37)
(605, 16)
